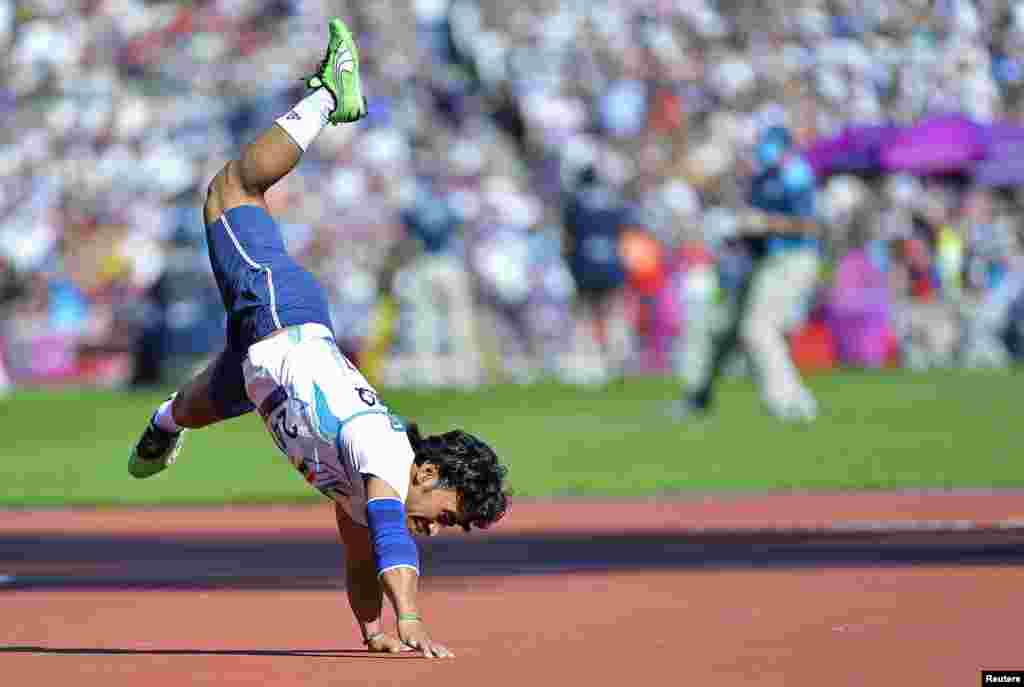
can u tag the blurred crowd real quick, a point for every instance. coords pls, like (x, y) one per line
(542, 188)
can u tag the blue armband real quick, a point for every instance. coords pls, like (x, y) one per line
(393, 546)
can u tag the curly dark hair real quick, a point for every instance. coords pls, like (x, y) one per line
(471, 467)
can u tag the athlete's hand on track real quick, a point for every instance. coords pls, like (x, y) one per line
(414, 635)
(386, 643)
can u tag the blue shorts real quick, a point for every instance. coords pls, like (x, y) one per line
(263, 288)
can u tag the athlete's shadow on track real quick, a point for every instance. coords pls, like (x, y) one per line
(303, 653)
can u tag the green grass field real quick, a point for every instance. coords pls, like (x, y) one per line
(877, 430)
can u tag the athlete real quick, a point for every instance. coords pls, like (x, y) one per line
(281, 359)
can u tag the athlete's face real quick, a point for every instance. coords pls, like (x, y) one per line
(430, 508)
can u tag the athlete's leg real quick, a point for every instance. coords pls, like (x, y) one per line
(337, 98)
(210, 396)
(240, 182)
(261, 164)
(218, 392)
(193, 406)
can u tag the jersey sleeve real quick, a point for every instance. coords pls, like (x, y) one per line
(377, 448)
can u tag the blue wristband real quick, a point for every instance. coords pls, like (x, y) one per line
(393, 546)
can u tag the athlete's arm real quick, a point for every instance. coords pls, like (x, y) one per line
(400, 579)
(364, 591)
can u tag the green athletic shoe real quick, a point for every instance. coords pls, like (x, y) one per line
(155, 451)
(339, 74)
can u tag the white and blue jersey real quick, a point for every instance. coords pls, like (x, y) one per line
(326, 417)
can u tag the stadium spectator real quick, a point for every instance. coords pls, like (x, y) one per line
(859, 302)
(115, 133)
(435, 297)
(780, 238)
(595, 218)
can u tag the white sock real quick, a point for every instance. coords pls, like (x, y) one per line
(306, 120)
(164, 419)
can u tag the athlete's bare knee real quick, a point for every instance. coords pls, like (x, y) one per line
(234, 186)
(241, 181)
